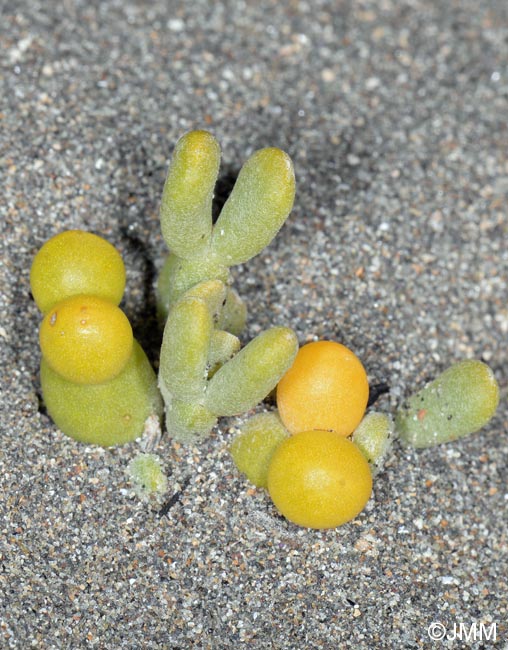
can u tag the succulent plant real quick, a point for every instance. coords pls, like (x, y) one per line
(458, 402)
(194, 400)
(99, 387)
(97, 383)
(203, 372)
(259, 204)
(146, 473)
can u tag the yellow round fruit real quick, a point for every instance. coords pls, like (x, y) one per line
(325, 388)
(76, 262)
(86, 340)
(319, 479)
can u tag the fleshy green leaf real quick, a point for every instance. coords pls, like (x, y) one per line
(147, 475)
(222, 347)
(186, 205)
(252, 373)
(212, 293)
(253, 448)
(374, 437)
(460, 401)
(184, 351)
(257, 207)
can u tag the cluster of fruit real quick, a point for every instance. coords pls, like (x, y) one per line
(97, 383)
(203, 372)
(315, 475)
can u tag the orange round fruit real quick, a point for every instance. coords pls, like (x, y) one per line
(319, 479)
(86, 340)
(325, 388)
